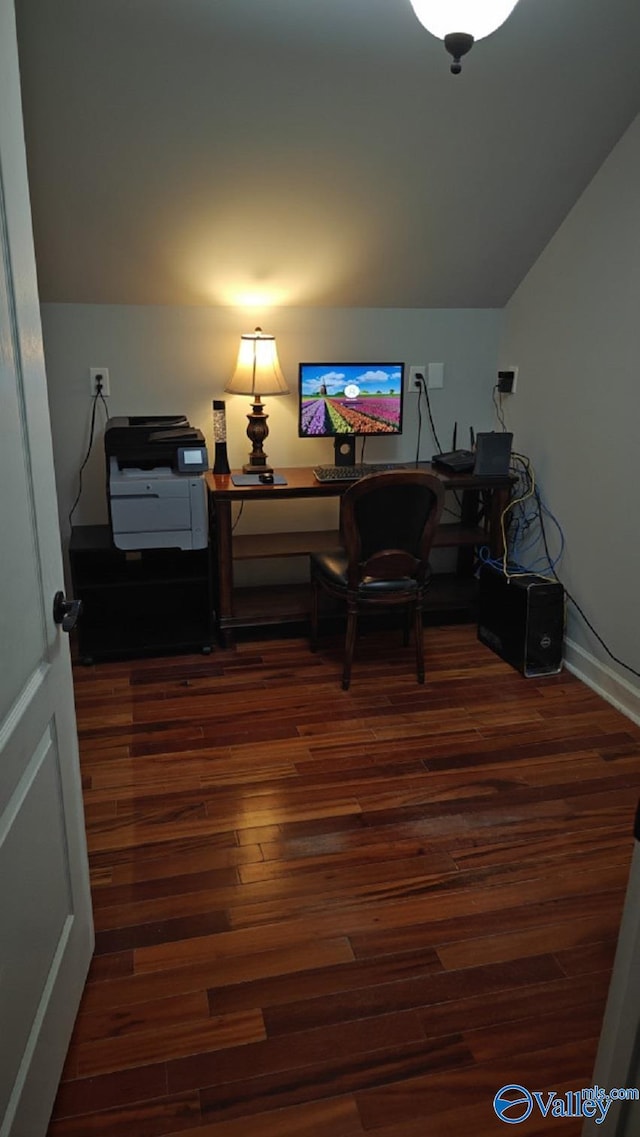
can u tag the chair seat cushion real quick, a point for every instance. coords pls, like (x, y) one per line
(333, 567)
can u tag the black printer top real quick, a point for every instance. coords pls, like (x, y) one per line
(146, 442)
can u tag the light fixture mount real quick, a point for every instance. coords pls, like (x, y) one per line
(475, 18)
(458, 44)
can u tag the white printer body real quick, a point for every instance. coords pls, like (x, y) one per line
(155, 484)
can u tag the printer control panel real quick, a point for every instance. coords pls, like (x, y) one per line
(192, 459)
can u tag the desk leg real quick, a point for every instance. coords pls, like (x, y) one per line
(223, 539)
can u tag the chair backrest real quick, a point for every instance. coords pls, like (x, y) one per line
(388, 522)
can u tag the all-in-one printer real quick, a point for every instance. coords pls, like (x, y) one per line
(155, 484)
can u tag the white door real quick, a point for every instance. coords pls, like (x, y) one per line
(617, 1064)
(46, 932)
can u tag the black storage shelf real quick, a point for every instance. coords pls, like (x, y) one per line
(141, 602)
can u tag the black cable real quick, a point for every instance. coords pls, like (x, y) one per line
(599, 638)
(423, 386)
(98, 395)
(422, 389)
(419, 423)
(498, 407)
(233, 527)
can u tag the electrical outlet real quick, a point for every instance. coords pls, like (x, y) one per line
(508, 381)
(417, 369)
(99, 381)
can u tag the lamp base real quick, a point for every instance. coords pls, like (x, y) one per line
(257, 467)
(257, 431)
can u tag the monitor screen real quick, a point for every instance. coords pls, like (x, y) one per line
(350, 398)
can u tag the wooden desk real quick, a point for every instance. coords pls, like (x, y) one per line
(238, 608)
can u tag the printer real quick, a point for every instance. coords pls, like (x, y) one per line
(155, 484)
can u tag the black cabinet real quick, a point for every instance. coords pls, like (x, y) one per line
(138, 603)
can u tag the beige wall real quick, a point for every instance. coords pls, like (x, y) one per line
(176, 360)
(573, 327)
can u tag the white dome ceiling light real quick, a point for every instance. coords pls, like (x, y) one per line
(461, 22)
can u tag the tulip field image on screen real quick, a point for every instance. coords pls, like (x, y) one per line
(350, 399)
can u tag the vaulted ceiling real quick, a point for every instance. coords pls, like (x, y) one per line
(310, 152)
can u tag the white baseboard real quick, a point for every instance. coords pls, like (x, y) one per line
(622, 694)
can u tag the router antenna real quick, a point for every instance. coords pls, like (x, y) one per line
(455, 435)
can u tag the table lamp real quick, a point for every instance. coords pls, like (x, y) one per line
(257, 373)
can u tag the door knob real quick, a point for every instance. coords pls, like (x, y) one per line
(65, 611)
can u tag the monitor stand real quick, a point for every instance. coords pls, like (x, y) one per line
(344, 446)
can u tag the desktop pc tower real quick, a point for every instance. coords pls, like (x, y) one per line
(522, 619)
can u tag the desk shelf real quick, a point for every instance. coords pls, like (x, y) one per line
(250, 546)
(450, 597)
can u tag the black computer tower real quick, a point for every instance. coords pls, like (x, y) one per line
(521, 618)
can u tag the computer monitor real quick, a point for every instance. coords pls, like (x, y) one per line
(343, 400)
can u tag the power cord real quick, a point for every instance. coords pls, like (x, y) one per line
(497, 402)
(233, 527)
(418, 377)
(95, 398)
(424, 390)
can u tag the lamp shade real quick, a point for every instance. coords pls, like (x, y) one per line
(477, 18)
(258, 369)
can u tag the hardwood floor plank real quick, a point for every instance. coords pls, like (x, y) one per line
(518, 945)
(160, 932)
(494, 1009)
(588, 958)
(281, 1056)
(153, 1118)
(194, 900)
(478, 1119)
(123, 1087)
(334, 1117)
(523, 1036)
(133, 1018)
(288, 988)
(403, 994)
(331, 1078)
(475, 925)
(426, 1095)
(237, 968)
(134, 862)
(172, 1040)
(136, 893)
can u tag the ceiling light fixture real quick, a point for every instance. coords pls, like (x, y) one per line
(461, 22)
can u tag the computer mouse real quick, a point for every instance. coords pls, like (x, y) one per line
(266, 479)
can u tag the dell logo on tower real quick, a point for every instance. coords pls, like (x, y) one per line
(513, 1104)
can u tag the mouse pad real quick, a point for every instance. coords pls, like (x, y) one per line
(254, 480)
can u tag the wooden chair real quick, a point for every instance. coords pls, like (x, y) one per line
(387, 525)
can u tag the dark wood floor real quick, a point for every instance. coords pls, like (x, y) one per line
(328, 914)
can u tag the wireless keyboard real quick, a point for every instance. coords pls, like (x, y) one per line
(353, 473)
